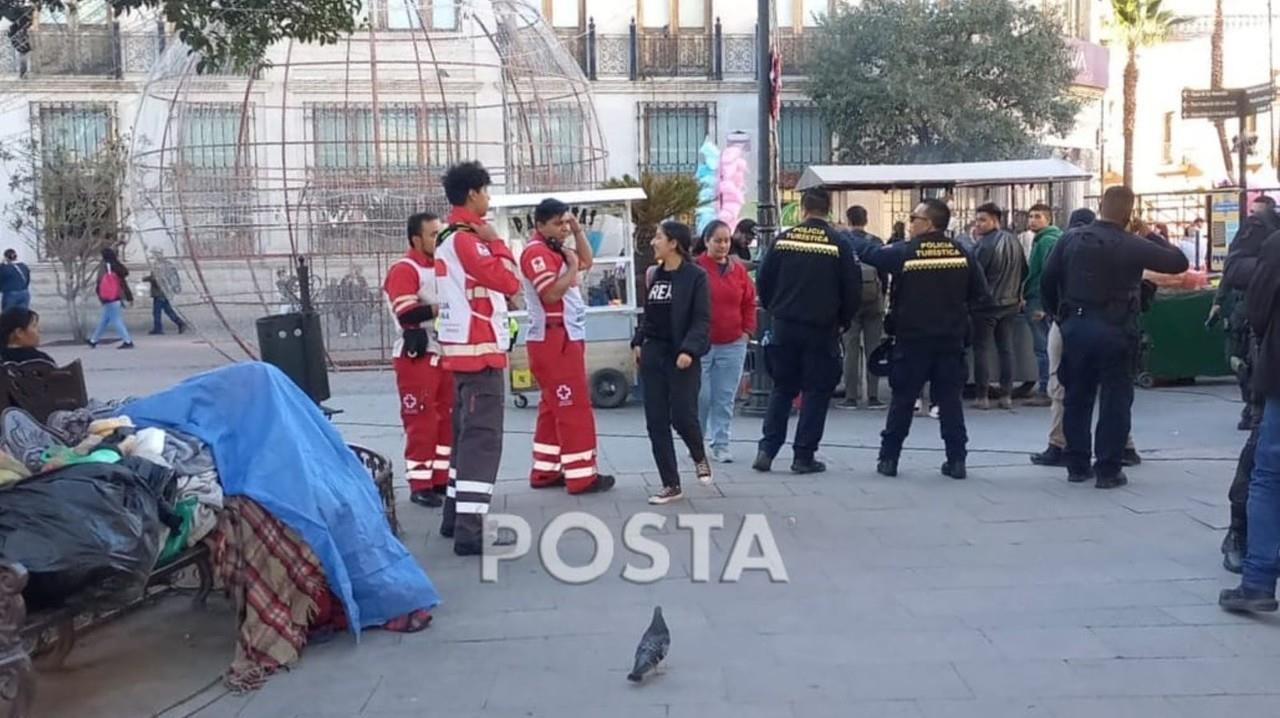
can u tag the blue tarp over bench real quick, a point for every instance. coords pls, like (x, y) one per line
(272, 445)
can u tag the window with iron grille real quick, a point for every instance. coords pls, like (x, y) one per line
(803, 138)
(408, 137)
(73, 131)
(211, 136)
(670, 135)
(550, 146)
(79, 179)
(409, 14)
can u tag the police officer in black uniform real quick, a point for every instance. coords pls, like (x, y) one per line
(936, 286)
(1093, 284)
(811, 284)
(1262, 226)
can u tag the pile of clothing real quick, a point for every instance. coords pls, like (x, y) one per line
(239, 458)
(92, 506)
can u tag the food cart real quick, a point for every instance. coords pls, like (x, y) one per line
(890, 193)
(608, 289)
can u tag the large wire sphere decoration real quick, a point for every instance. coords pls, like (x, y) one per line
(323, 152)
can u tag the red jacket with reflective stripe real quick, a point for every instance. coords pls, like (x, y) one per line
(484, 267)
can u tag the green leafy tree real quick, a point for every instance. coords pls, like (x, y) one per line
(67, 209)
(232, 35)
(1137, 24)
(920, 81)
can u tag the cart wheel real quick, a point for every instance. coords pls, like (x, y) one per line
(608, 389)
(1146, 380)
(521, 401)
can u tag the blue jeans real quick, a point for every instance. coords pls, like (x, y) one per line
(1262, 563)
(721, 376)
(1040, 343)
(112, 316)
(161, 305)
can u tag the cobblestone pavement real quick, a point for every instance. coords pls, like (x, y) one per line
(1010, 594)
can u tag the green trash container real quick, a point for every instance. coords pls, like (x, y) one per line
(1176, 344)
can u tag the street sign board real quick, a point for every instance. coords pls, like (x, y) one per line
(1220, 104)
(1258, 98)
(1226, 103)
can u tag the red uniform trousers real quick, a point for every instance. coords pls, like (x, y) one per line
(426, 409)
(564, 440)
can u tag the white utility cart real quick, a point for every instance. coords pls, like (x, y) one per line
(609, 289)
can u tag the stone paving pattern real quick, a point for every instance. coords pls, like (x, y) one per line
(1010, 594)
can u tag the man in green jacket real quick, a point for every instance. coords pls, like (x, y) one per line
(1040, 221)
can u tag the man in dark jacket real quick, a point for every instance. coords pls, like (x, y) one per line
(1092, 284)
(863, 336)
(1002, 260)
(1257, 590)
(936, 285)
(810, 283)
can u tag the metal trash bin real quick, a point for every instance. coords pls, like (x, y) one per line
(293, 344)
(1176, 345)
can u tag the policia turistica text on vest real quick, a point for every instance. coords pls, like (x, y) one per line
(1092, 283)
(811, 284)
(936, 285)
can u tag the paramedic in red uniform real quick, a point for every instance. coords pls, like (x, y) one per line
(564, 440)
(426, 389)
(475, 274)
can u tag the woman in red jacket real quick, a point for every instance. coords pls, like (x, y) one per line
(733, 320)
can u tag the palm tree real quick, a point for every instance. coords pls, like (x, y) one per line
(1137, 24)
(666, 197)
(1215, 82)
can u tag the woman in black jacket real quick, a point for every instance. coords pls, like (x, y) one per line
(673, 334)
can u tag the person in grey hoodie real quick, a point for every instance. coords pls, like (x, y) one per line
(1001, 258)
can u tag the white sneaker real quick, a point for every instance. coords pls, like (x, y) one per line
(933, 412)
(721, 455)
(667, 495)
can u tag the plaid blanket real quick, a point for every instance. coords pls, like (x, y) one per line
(276, 584)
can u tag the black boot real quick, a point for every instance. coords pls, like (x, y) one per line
(1079, 476)
(887, 467)
(1233, 550)
(1114, 481)
(428, 498)
(1052, 456)
(763, 463)
(505, 537)
(1245, 600)
(1130, 457)
(955, 469)
(807, 466)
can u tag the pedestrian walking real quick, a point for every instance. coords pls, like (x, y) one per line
(1092, 284)
(936, 287)
(1000, 255)
(864, 333)
(475, 274)
(564, 437)
(733, 321)
(1257, 589)
(424, 386)
(160, 304)
(114, 295)
(15, 282)
(1040, 222)
(811, 284)
(674, 333)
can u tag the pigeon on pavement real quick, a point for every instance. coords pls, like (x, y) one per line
(653, 647)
